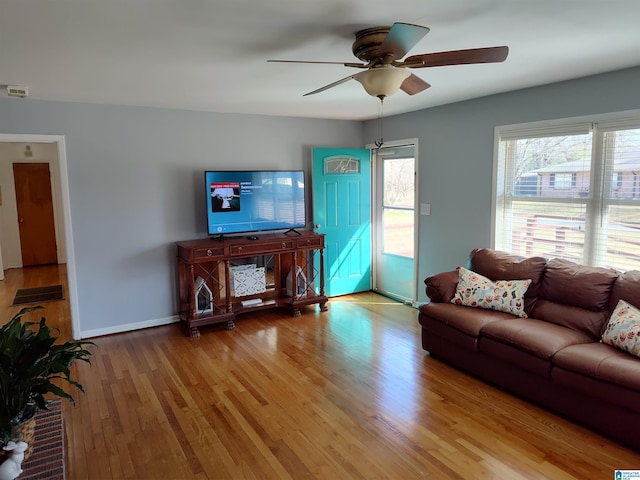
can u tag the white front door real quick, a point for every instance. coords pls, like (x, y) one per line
(395, 222)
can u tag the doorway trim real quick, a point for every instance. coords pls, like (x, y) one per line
(416, 205)
(59, 140)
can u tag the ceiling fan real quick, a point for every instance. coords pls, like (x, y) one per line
(384, 72)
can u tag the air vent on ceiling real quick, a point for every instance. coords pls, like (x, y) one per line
(17, 91)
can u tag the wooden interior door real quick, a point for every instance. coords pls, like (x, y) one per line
(35, 213)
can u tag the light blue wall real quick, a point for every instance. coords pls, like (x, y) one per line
(135, 177)
(456, 154)
(136, 187)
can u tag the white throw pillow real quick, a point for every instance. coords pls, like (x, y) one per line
(474, 290)
(623, 329)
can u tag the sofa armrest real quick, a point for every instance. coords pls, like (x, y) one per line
(441, 287)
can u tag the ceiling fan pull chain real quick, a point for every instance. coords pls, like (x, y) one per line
(380, 142)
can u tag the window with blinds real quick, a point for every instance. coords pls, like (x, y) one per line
(570, 191)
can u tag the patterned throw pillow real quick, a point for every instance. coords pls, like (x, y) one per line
(623, 329)
(474, 290)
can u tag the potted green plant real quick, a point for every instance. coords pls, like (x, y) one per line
(32, 366)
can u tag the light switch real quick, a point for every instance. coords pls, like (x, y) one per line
(425, 209)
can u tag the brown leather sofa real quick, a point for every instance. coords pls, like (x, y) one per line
(554, 357)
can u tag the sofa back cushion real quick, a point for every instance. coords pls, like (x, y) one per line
(627, 288)
(575, 296)
(497, 265)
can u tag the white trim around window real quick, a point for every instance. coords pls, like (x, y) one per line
(570, 189)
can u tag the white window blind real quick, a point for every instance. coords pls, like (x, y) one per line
(570, 192)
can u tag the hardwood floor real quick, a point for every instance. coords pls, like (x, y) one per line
(345, 394)
(56, 313)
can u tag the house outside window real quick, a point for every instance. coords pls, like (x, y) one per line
(570, 190)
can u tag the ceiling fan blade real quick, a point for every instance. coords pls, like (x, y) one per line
(401, 38)
(346, 64)
(413, 84)
(331, 85)
(458, 57)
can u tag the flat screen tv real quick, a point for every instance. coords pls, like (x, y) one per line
(254, 201)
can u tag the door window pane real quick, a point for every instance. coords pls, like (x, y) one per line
(398, 232)
(399, 181)
(341, 165)
(397, 204)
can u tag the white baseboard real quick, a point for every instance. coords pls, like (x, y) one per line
(128, 327)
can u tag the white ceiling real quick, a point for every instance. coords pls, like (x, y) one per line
(211, 54)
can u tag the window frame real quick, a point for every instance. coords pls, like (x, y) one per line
(600, 197)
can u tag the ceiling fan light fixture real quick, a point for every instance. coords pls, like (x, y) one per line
(382, 81)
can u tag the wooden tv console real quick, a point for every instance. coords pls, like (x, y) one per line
(208, 292)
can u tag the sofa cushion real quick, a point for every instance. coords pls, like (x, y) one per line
(623, 329)
(464, 319)
(538, 338)
(527, 344)
(567, 284)
(627, 288)
(498, 265)
(581, 319)
(601, 362)
(475, 290)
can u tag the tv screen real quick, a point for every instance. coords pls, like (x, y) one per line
(250, 201)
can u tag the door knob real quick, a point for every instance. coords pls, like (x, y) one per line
(317, 225)
(21, 220)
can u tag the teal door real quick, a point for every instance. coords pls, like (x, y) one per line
(342, 211)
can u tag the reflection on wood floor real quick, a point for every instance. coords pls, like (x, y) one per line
(345, 394)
